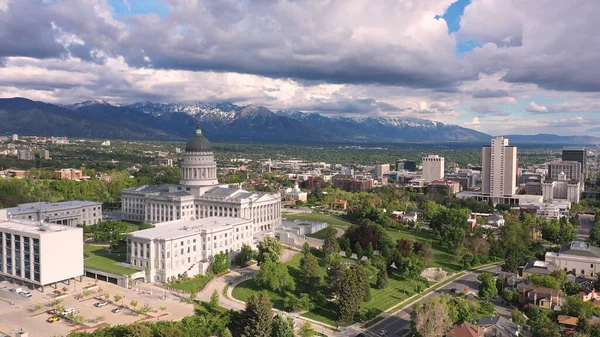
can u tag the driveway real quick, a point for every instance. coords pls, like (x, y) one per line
(585, 227)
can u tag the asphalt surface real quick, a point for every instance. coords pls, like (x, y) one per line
(585, 226)
(400, 321)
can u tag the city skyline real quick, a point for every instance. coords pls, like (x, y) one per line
(500, 67)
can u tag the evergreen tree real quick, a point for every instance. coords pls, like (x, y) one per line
(282, 327)
(331, 245)
(258, 317)
(382, 279)
(369, 252)
(358, 250)
(214, 300)
(268, 250)
(487, 289)
(306, 248)
(309, 266)
(386, 253)
(353, 290)
(306, 330)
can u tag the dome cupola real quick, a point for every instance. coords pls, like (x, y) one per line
(198, 143)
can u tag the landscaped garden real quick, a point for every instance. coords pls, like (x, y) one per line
(320, 234)
(193, 284)
(98, 258)
(330, 219)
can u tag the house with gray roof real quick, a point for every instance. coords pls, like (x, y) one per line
(498, 326)
(578, 257)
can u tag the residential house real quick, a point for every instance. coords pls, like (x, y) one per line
(495, 220)
(465, 329)
(541, 297)
(498, 326)
(410, 216)
(538, 267)
(567, 321)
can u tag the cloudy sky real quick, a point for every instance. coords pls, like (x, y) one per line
(499, 66)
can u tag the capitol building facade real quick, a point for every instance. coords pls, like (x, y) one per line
(199, 195)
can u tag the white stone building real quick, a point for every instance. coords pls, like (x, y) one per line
(561, 189)
(380, 170)
(37, 253)
(578, 257)
(433, 168)
(69, 213)
(199, 195)
(173, 248)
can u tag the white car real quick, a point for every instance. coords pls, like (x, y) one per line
(382, 332)
(67, 312)
(25, 294)
(118, 310)
(101, 304)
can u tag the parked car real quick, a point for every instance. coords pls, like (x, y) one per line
(17, 290)
(25, 294)
(453, 290)
(67, 312)
(53, 319)
(118, 310)
(101, 304)
(382, 332)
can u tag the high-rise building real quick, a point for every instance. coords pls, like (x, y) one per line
(381, 169)
(578, 154)
(433, 168)
(571, 169)
(499, 168)
(44, 154)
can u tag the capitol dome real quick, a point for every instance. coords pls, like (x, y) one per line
(198, 143)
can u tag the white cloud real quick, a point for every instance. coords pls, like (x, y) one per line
(534, 107)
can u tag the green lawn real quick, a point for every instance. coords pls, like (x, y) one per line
(443, 259)
(320, 234)
(100, 259)
(398, 290)
(195, 283)
(330, 219)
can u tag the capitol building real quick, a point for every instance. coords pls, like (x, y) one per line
(199, 195)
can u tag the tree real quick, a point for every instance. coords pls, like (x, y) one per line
(386, 253)
(369, 251)
(330, 244)
(282, 327)
(518, 317)
(117, 298)
(306, 330)
(144, 309)
(306, 248)
(244, 256)
(351, 292)
(107, 296)
(514, 256)
(460, 310)
(575, 306)
(487, 289)
(214, 300)
(220, 263)
(545, 281)
(410, 266)
(268, 250)
(382, 279)
(134, 303)
(431, 318)
(257, 316)
(310, 271)
(358, 250)
(193, 293)
(275, 276)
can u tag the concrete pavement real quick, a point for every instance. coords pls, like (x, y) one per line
(585, 227)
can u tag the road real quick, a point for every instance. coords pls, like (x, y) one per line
(585, 226)
(400, 321)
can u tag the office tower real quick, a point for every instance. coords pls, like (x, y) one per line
(499, 168)
(576, 154)
(433, 168)
(571, 169)
(381, 169)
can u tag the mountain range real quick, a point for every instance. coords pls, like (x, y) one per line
(228, 122)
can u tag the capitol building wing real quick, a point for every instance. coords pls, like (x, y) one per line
(199, 195)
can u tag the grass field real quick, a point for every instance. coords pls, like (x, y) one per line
(330, 219)
(320, 234)
(442, 258)
(100, 259)
(398, 290)
(196, 283)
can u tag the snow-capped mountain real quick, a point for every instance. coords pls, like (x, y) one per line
(199, 110)
(86, 103)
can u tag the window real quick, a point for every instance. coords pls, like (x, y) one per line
(181, 251)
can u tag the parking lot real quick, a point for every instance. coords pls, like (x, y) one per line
(19, 313)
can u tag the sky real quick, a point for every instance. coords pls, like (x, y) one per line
(497, 66)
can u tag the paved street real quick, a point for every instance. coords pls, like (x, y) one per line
(586, 224)
(400, 321)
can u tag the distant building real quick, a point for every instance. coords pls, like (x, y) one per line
(561, 189)
(102, 176)
(18, 174)
(105, 143)
(577, 154)
(465, 329)
(174, 248)
(44, 154)
(312, 183)
(539, 268)
(162, 161)
(349, 183)
(15, 137)
(39, 254)
(295, 194)
(347, 171)
(68, 174)
(433, 168)
(545, 298)
(25, 155)
(59, 140)
(533, 188)
(499, 172)
(407, 165)
(69, 213)
(499, 326)
(448, 186)
(380, 170)
(578, 257)
(571, 169)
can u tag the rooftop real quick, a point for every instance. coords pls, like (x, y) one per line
(181, 228)
(33, 227)
(47, 206)
(580, 248)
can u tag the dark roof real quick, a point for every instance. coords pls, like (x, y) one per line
(500, 323)
(198, 143)
(531, 267)
(579, 248)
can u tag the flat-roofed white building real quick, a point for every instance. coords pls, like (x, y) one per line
(70, 213)
(433, 168)
(38, 253)
(173, 248)
(578, 257)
